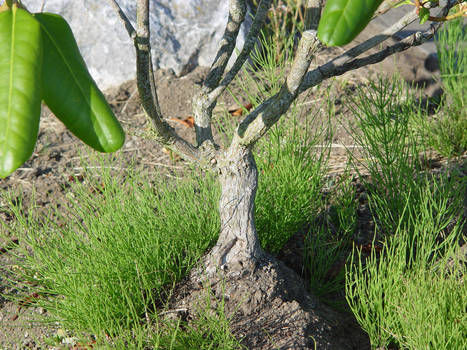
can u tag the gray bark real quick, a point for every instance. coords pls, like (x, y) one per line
(238, 243)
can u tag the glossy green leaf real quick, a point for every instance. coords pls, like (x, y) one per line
(71, 93)
(20, 93)
(423, 14)
(343, 20)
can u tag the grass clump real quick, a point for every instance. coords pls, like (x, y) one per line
(408, 294)
(121, 242)
(389, 149)
(291, 178)
(328, 240)
(446, 132)
(412, 293)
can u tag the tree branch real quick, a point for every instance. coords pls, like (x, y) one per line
(268, 113)
(147, 87)
(320, 74)
(385, 7)
(313, 13)
(257, 123)
(250, 42)
(237, 13)
(347, 61)
(126, 22)
(377, 39)
(206, 100)
(202, 109)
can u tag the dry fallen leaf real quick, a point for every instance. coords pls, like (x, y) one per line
(188, 122)
(237, 112)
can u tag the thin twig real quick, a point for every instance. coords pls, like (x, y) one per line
(162, 165)
(172, 311)
(337, 145)
(99, 167)
(126, 22)
(308, 102)
(27, 169)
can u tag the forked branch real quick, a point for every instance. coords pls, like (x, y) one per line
(377, 39)
(237, 13)
(250, 42)
(257, 123)
(202, 108)
(124, 19)
(205, 101)
(268, 113)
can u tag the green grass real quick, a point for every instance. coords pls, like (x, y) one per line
(389, 149)
(285, 19)
(106, 262)
(120, 243)
(446, 131)
(452, 55)
(408, 295)
(412, 294)
(328, 240)
(291, 179)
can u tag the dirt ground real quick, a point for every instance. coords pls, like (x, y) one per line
(56, 160)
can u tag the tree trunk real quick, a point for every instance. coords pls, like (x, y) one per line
(266, 303)
(238, 244)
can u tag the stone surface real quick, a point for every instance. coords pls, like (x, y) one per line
(184, 34)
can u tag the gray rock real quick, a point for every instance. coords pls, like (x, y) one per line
(185, 33)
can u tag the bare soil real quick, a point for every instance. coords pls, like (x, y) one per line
(282, 313)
